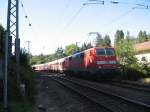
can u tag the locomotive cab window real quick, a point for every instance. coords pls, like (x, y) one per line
(100, 52)
(110, 52)
(82, 55)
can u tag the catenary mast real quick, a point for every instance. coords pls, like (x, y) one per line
(11, 34)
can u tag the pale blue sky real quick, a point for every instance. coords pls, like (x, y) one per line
(50, 21)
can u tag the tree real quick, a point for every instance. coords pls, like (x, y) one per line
(119, 36)
(85, 46)
(24, 57)
(142, 36)
(148, 36)
(125, 52)
(70, 49)
(99, 41)
(59, 52)
(107, 40)
(128, 35)
(2, 30)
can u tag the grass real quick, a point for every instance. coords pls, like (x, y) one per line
(18, 107)
(21, 107)
(1, 107)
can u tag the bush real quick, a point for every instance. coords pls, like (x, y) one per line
(134, 71)
(26, 77)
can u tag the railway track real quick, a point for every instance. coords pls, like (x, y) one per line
(138, 95)
(104, 109)
(111, 102)
(132, 85)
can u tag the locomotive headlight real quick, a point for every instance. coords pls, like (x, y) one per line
(101, 62)
(112, 62)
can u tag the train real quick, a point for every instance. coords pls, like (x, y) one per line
(95, 61)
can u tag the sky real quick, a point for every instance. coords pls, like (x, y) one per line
(56, 23)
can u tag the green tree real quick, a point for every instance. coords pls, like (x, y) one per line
(70, 49)
(99, 40)
(2, 30)
(125, 52)
(142, 36)
(59, 52)
(107, 40)
(119, 35)
(128, 35)
(85, 46)
(24, 57)
(148, 36)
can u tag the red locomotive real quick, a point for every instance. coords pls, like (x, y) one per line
(93, 61)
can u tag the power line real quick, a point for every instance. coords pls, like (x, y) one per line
(119, 17)
(65, 8)
(26, 16)
(87, 2)
(125, 14)
(74, 17)
(130, 3)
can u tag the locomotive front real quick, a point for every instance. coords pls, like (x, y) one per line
(105, 59)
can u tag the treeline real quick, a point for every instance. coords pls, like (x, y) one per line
(141, 37)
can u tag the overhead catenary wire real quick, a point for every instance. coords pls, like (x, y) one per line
(137, 6)
(88, 2)
(73, 17)
(124, 14)
(65, 9)
(80, 9)
(119, 17)
(130, 3)
(27, 18)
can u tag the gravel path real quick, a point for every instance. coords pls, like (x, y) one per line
(53, 97)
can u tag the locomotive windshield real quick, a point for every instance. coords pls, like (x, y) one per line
(100, 52)
(106, 51)
(110, 51)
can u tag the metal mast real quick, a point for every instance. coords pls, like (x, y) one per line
(13, 26)
(12, 33)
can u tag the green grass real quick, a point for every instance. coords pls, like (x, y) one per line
(21, 107)
(1, 107)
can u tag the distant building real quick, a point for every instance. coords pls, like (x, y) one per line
(143, 51)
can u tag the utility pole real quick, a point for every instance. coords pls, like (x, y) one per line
(12, 33)
(28, 42)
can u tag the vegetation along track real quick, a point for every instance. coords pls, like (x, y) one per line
(111, 102)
